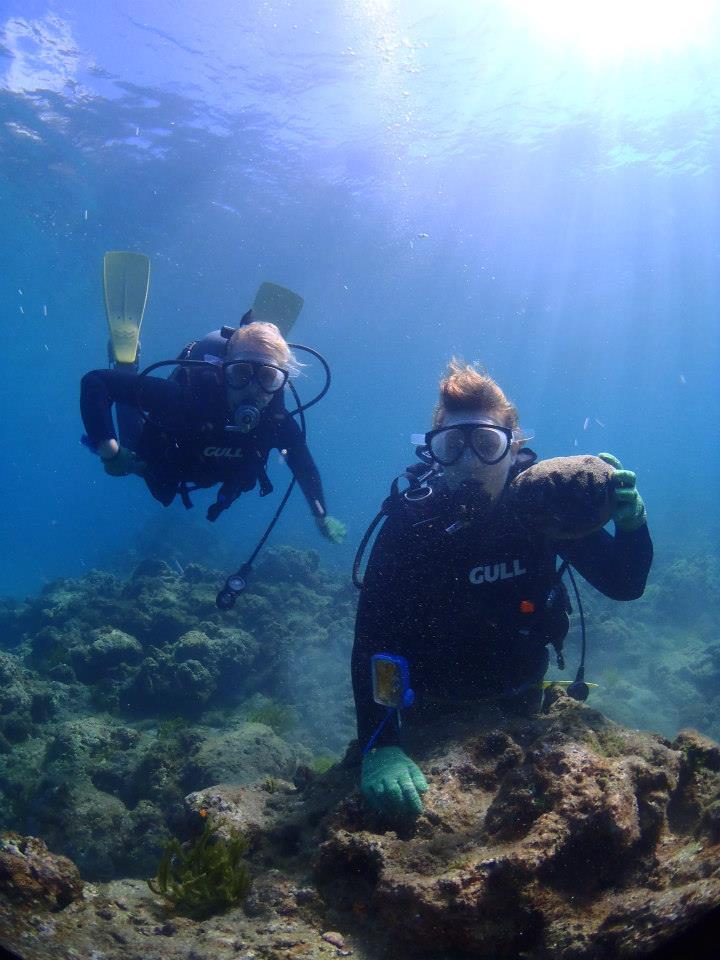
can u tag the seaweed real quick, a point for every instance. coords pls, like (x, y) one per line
(205, 877)
(322, 764)
(170, 728)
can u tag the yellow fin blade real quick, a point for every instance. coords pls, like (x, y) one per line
(563, 683)
(126, 279)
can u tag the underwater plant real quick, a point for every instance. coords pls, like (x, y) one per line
(322, 764)
(205, 877)
(171, 728)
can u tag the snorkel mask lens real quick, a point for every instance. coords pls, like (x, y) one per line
(489, 443)
(447, 446)
(271, 379)
(239, 374)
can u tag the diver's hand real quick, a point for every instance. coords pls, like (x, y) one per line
(629, 513)
(391, 783)
(332, 529)
(122, 463)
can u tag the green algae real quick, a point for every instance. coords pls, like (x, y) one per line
(322, 764)
(204, 877)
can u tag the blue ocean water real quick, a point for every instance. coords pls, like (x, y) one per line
(434, 179)
(528, 185)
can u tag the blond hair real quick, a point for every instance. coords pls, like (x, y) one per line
(465, 387)
(266, 340)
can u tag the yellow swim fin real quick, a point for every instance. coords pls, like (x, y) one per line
(126, 278)
(277, 305)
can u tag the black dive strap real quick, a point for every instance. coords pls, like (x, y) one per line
(236, 583)
(418, 489)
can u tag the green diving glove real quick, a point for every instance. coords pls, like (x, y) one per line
(123, 464)
(391, 783)
(332, 529)
(629, 513)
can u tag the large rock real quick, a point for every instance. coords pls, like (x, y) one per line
(566, 836)
(108, 649)
(24, 701)
(243, 755)
(32, 876)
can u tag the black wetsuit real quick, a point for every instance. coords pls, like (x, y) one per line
(469, 609)
(184, 441)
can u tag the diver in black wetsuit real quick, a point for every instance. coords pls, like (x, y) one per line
(210, 423)
(468, 593)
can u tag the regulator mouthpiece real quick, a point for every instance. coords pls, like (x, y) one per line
(247, 418)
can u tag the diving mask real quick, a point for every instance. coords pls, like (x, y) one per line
(240, 373)
(247, 378)
(487, 440)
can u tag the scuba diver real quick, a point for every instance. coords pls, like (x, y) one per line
(464, 593)
(219, 413)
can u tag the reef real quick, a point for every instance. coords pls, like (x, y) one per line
(657, 659)
(134, 716)
(120, 696)
(563, 836)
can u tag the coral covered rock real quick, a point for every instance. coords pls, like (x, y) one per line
(552, 846)
(108, 648)
(156, 643)
(31, 875)
(245, 754)
(562, 836)
(24, 701)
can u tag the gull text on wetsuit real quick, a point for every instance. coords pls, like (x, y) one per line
(490, 572)
(231, 453)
